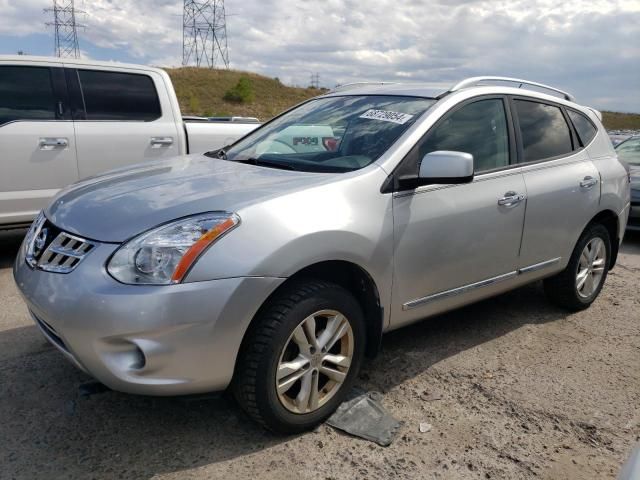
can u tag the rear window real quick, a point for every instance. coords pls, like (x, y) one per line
(26, 93)
(543, 129)
(119, 96)
(584, 127)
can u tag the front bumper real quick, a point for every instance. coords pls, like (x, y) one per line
(152, 340)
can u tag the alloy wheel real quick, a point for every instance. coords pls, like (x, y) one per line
(591, 267)
(315, 361)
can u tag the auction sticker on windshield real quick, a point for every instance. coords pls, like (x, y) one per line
(387, 116)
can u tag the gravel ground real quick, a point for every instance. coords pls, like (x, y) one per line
(513, 387)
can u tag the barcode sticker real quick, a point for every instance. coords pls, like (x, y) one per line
(387, 116)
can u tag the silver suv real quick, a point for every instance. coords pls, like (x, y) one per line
(273, 266)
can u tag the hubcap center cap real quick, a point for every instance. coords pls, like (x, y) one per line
(316, 360)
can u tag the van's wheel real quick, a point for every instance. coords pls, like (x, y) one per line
(301, 356)
(578, 285)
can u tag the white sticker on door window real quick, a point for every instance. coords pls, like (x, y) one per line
(387, 116)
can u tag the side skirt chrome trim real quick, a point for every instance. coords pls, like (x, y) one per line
(458, 291)
(418, 302)
(540, 266)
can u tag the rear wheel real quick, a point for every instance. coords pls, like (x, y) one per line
(578, 285)
(301, 356)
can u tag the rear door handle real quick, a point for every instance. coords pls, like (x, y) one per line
(157, 142)
(510, 199)
(49, 143)
(588, 182)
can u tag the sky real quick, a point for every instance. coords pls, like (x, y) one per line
(589, 48)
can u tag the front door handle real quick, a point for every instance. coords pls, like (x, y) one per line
(49, 143)
(510, 199)
(588, 182)
(157, 142)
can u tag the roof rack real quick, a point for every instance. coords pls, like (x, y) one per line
(469, 82)
(348, 86)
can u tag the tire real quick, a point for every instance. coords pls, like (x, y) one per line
(279, 338)
(562, 289)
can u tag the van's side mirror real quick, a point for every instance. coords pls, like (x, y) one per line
(446, 167)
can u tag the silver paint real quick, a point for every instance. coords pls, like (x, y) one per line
(416, 244)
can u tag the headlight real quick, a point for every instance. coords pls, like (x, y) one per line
(165, 254)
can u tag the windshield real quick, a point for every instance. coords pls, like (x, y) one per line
(333, 134)
(629, 151)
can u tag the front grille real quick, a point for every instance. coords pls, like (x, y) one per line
(64, 253)
(49, 248)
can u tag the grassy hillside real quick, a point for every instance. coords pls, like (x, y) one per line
(201, 92)
(621, 121)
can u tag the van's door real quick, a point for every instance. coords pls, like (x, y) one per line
(563, 185)
(121, 118)
(454, 244)
(37, 143)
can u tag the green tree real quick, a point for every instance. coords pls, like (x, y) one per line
(242, 92)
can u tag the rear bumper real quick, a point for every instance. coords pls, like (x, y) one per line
(152, 340)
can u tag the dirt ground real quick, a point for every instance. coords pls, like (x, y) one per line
(513, 387)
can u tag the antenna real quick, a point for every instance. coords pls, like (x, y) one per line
(66, 33)
(204, 33)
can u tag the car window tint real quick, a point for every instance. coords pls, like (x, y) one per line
(586, 130)
(119, 96)
(479, 128)
(26, 93)
(544, 131)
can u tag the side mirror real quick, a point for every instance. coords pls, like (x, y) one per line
(446, 167)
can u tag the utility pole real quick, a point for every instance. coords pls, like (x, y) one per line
(204, 34)
(66, 28)
(315, 80)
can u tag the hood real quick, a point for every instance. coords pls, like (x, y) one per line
(123, 203)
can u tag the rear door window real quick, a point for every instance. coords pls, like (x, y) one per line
(584, 127)
(543, 129)
(26, 93)
(119, 96)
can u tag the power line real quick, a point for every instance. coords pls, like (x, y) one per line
(66, 28)
(204, 34)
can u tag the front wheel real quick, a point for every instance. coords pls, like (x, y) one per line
(578, 285)
(301, 356)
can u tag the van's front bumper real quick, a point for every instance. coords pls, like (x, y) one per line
(152, 340)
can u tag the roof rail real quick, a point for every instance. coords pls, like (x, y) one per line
(348, 86)
(469, 82)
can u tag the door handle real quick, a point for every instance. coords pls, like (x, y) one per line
(510, 199)
(48, 143)
(588, 182)
(157, 142)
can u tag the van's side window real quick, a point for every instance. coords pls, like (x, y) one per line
(119, 96)
(479, 128)
(586, 130)
(26, 93)
(543, 129)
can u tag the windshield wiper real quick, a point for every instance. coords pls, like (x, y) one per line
(266, 163)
